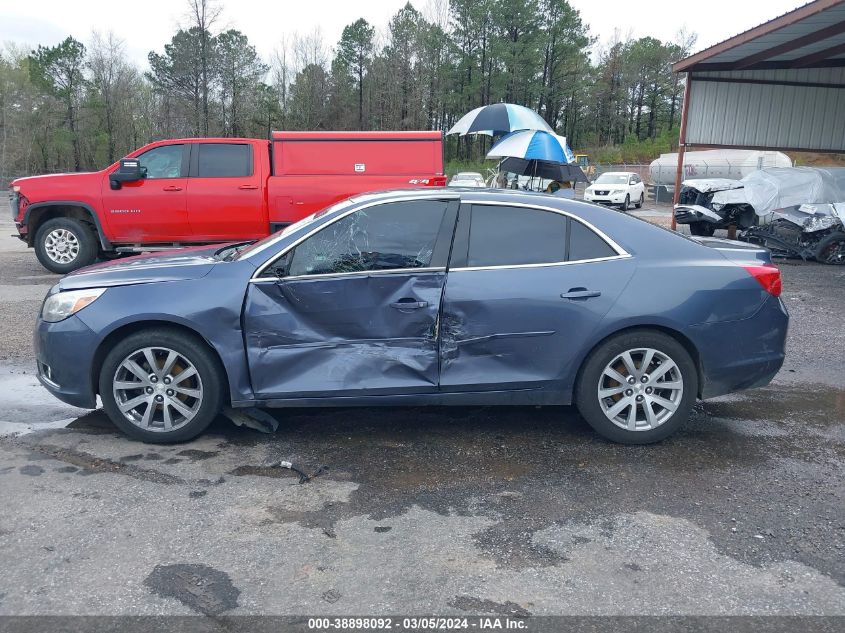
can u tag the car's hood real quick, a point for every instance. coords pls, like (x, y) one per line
(175, 265)
(706, 185)
(46, 179)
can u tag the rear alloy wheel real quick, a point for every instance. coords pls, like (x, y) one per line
(627, 204)
(831, 249)
(637, 388)
(65, 244)
(160, 386)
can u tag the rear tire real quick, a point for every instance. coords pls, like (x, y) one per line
(172, 404)
(63, 245)
(669, 390)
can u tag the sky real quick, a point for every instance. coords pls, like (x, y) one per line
(149, 24)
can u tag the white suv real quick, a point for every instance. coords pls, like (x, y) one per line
(617, 187)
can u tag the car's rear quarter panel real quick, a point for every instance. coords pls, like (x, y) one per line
(735, 328)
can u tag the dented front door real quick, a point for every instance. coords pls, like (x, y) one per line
(354, 310)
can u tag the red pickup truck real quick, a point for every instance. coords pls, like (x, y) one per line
(207, 190)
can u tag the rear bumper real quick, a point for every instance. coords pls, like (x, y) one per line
(745, 354)
(64, 353)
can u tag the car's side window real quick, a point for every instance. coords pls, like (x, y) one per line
(584, 243)
(395, 235)
(224, 160)
(510, 236)
(163, 162)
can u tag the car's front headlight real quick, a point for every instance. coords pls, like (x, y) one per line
(61, 305)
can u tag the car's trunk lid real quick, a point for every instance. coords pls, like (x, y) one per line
(741, 253)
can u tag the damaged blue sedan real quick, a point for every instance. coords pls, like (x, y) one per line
(454, 297)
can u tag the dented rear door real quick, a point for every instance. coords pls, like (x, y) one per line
(354, 308)
(527, 287)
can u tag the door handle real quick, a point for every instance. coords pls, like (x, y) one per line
(409, 304)
(248, 187)
(580, 293)
(172, 188)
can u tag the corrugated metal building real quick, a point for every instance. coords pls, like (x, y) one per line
(780, 85)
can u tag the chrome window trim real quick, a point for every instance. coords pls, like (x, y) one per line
(543, 265)
(620, 252)
(409, 198)
(360, 273)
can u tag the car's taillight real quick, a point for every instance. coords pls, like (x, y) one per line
(767, 276)
(437, 181)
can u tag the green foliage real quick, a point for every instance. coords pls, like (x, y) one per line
(75, 106)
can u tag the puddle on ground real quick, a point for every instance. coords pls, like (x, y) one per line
(817, 405)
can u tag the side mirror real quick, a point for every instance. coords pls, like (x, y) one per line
(130, 170)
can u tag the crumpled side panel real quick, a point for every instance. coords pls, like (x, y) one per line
(338, 335)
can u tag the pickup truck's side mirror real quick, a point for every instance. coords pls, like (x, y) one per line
(130, 170)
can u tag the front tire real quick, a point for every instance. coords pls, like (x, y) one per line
(702, 229)
(831, 250)
(161, 386)
(637, 387)
(63, 245)
(627, 204)
(639, 204)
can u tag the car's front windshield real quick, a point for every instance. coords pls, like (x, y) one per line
(256, 246)
(612, 179)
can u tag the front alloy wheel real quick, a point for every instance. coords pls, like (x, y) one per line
(61, 246)
(162, 385)
(64, 244)
(158, 389)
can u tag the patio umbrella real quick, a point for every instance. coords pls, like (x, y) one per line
(533, 145)
(543, 169)
(499, 118)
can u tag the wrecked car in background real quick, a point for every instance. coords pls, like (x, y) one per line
(795, 211)
(417, 298)
(808, 231)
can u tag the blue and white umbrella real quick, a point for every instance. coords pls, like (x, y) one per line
(499, 118)
(533, 145)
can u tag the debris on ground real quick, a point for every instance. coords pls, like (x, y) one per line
(253, 418)
(303, 476)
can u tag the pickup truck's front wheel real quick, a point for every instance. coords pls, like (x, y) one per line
(65, 244)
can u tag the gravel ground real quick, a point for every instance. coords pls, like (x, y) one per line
(510, 511)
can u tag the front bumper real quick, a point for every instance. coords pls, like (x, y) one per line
(737, 355)
(609, 198)
(64, 353)
(692, 213)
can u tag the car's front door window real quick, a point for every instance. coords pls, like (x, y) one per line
(163, 162)
(397, 235)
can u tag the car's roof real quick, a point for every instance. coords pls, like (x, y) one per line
(473, 194)
(618, 227)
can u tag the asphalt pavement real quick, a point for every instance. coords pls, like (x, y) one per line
(511, 511)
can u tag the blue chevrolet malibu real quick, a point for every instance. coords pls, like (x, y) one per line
(454, 297)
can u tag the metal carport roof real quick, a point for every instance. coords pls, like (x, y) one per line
(779, 85)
